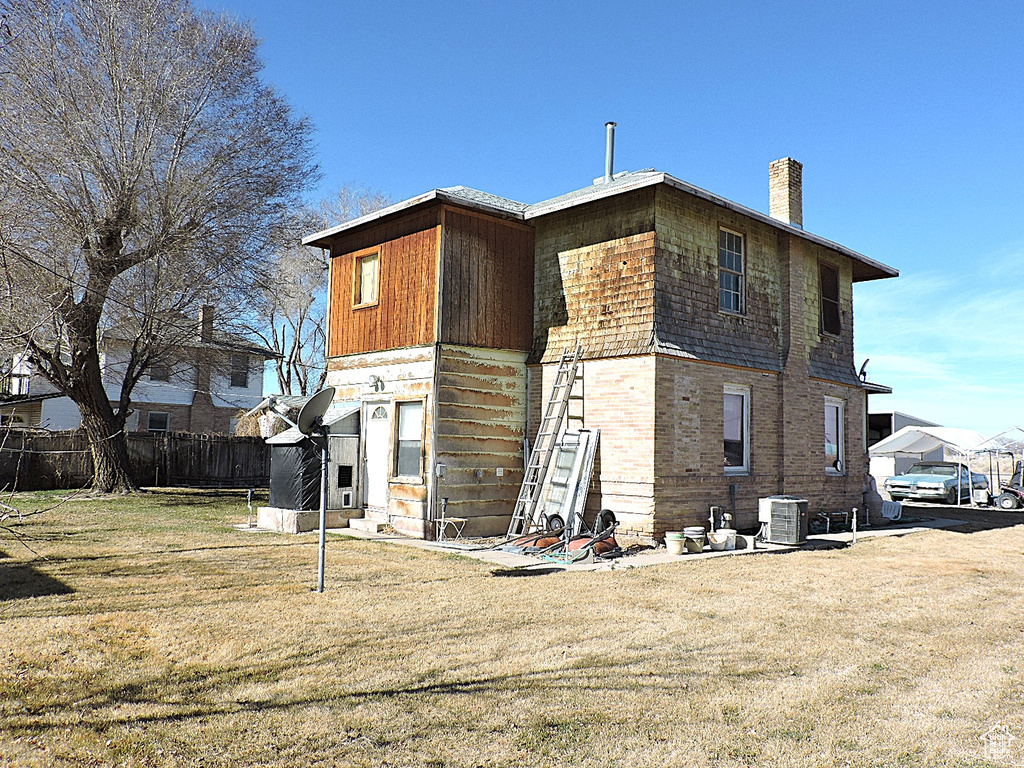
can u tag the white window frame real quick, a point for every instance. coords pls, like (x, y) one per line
(399, 408)
(840, 406)
(744, 392)
(742, 273)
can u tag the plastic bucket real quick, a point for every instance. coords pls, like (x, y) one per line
(730, 537)
(693, 538)
(675, 542)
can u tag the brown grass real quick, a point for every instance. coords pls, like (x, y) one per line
(156, 635)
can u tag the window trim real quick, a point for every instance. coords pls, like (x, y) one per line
(840, 405)
(822, 266)
(396, 427)
(357, 260)
(744, 392)
(742, 311)
(149, 419)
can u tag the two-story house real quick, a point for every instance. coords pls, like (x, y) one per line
(717, 349)
(200, 385)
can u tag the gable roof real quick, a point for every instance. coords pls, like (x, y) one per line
(865, 268)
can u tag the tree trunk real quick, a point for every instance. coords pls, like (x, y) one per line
(112, 470)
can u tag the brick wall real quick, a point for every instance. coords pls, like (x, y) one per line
(616, 395)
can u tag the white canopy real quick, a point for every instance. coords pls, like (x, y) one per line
(918, 441)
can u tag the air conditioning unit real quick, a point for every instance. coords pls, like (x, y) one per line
(784, 519)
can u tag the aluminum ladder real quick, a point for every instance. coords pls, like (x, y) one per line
(523, 516)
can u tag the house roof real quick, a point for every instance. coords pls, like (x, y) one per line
(220, 340)
(10, 400)
(865, 268)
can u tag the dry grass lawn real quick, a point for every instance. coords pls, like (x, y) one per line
(154, 634)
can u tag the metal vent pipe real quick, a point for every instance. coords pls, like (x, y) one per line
(609, 155)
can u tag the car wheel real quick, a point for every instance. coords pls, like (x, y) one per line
(951, 497)
(1006, 501)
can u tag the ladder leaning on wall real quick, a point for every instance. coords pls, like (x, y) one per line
(525, 513)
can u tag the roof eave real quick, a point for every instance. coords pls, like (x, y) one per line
(875, 389)
(869, 270)
(320, 239)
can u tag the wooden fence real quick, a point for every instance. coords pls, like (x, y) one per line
(36, 462)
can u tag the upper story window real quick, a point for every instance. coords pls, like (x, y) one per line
(159, 372)
(731, 271)
(367, 280)
(828, 279)
(240, 371)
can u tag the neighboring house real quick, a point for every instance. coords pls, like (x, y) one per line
(201, 387)
(717, 350)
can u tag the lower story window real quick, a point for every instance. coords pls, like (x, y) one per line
(158, 422)
(736, 430)
(410, 439)
(835, 450)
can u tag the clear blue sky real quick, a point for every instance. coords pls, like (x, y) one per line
(908, 117)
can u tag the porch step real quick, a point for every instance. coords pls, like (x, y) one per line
(367, 524)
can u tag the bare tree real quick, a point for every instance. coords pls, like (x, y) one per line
(144, 169)
(293, 304)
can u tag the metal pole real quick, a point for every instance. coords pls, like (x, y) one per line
(324, 466)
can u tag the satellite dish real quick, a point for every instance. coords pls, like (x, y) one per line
(314, 409)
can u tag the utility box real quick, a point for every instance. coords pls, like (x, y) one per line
(784, 519)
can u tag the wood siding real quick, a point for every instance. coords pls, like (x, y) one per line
(595, 278)
(487, 282)
(404, 315)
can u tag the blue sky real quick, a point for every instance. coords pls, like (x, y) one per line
(908, 117)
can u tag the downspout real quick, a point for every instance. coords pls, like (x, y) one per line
(433, 487)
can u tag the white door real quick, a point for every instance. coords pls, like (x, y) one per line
(377, 442)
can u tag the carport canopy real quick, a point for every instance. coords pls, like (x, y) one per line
(917, 441)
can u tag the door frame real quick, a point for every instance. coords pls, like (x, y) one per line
(369, 406)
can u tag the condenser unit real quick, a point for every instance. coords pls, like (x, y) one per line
(784, 519)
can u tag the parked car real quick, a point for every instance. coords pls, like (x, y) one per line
(935, 481)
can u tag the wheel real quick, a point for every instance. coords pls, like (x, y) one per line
(951, 497)
(605, 520)
(1007, 501)
(555, 523)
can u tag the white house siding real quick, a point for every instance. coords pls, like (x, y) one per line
(404, 374)
(244, 398)
(178, 390)
(481, 423)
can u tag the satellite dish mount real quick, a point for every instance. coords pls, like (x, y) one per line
(310, 423)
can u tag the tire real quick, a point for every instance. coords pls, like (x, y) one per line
(951, 497)
(1007, 501)
(555, 523)
(605, 520)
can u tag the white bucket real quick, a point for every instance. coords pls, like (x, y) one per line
(675, 542)
(730, 540)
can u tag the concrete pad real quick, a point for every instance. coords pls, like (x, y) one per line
(659, 556)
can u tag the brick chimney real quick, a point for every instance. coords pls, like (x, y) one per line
(785, 187)
(206, 324)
